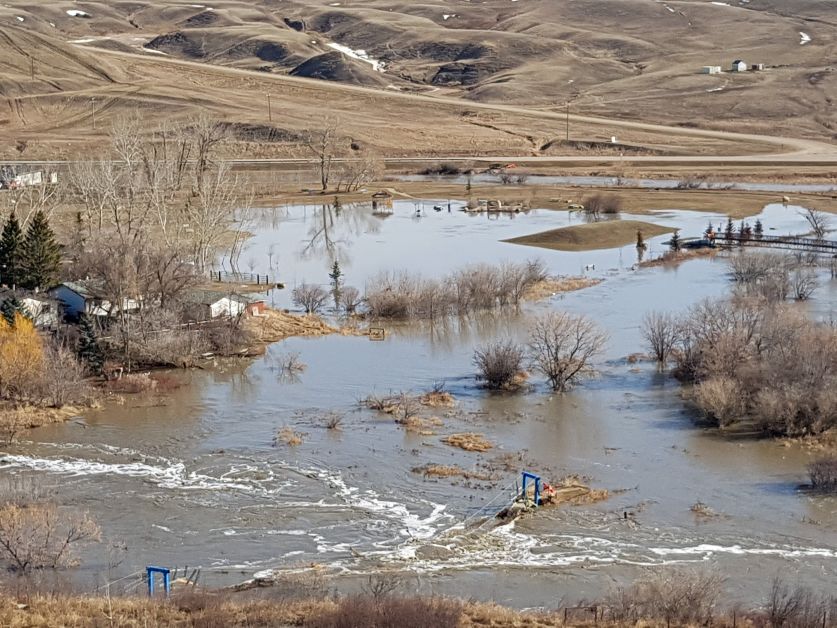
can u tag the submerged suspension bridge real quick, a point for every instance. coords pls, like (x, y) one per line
(792, 243)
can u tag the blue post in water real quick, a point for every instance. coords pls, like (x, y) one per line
(537, 480)
(150, 571)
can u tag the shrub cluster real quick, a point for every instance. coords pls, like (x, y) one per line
(773, 277)
(756, 362)
(480, 287)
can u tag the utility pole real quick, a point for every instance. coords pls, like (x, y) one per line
(269, 110)
(568, 122)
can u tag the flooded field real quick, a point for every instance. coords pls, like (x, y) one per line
(196, 478)
(664, 184)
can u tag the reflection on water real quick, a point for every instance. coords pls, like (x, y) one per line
(600, 181)
(195, 478)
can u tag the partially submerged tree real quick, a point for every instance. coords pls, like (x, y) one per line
(661, 332)
(562, 347)
(336, 277)
(675, 244)
(499, 364)
(310, 297)
(818, 221)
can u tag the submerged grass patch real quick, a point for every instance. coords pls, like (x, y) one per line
(469, 442)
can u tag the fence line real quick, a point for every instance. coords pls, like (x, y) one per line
(223, 276)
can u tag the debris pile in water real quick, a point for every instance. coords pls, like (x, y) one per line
(469, 442)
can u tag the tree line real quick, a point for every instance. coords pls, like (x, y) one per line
(30, 259)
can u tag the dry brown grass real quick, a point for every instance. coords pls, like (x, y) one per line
(275, 325)
(572, 490)
(451, 471)
(422, 426)
(438, 399)
(558, 285)
(287, 436)
(677, 257)
(469, 442)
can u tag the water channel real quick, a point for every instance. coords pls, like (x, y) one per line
(195, 478)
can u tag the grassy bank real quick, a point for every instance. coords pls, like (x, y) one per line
(595, 235)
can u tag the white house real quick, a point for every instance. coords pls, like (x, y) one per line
(711, 69)
(85, 297)
(739, 66)
(204, 305)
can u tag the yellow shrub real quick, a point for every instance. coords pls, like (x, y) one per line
(21, 357)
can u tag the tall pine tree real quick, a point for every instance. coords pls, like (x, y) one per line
(41, 254)
(11, 250)
(88, 346)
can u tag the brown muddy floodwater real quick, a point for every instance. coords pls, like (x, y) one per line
(195, 479)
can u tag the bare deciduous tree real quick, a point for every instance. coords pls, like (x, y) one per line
(350, 299)
(324, 143)
(359, 170)
(818, 221)
(803, 283)
(310, 297)
(40, 535)
(599, 204)
(662, 333)
(562, 347)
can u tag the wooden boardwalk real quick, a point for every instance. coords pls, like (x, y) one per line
(793, 243)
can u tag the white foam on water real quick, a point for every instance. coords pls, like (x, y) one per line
(708, 550)
(414, 526)
(173, 475)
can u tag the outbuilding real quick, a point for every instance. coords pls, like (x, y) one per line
(205, 305)
(711, 69)
(739, 66)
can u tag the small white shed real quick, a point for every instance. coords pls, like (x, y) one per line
(206, 305)
(711, 69)
(739, 66)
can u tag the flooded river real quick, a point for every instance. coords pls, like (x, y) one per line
(195, 478)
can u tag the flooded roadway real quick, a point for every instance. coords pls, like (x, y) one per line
(195, 478)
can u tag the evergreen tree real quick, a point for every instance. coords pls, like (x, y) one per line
(336, 276)
(730, 230)
(640, 241)
(41, 254)
(675, 242)
(89, 350)
(10, 308)
(758, 229)
(11, 249)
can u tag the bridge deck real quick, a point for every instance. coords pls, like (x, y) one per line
(795, 243)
